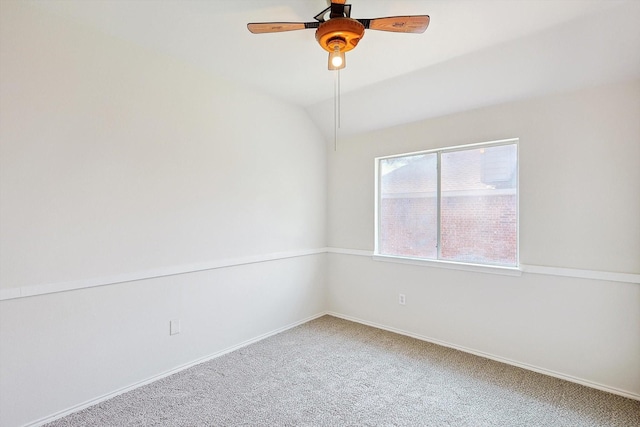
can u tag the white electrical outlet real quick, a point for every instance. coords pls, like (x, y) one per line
(174, 327)
(402, 299)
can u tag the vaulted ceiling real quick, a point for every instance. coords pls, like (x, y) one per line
(474, 53)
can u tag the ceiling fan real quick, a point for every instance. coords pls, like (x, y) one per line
(341, 33)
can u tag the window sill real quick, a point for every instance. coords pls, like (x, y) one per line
(478, 268)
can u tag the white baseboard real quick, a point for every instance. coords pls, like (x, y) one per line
(177, 369)
(526, 366)
(154, 378)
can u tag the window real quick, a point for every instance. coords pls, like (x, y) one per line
(457, 204)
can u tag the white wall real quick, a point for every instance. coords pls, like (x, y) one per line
(579, 210)
(116, 162)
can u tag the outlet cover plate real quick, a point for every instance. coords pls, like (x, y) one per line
(174, 327)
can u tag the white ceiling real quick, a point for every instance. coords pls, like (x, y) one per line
(474, 53)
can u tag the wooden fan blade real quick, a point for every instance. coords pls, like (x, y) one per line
(400, 24)
(278, 27)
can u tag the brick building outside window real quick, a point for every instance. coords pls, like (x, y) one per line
(472, 213)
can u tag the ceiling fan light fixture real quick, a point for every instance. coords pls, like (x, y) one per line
(348, 30)
(343, 31)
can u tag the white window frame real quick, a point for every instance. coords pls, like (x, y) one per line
(438, 263)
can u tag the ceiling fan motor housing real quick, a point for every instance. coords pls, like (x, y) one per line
(342, 32)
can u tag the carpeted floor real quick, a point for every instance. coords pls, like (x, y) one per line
(332, 372)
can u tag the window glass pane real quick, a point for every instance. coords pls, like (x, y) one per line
(408, 206)
(479, 205)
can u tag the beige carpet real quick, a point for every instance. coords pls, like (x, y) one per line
(331, 372)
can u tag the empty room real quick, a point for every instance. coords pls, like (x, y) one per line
(316, 213)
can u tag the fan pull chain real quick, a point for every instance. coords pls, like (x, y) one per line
(339, 124)
(336, 110)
